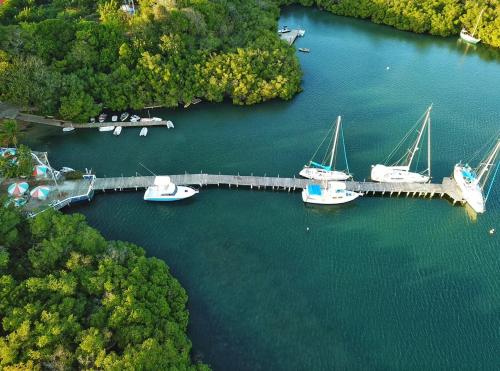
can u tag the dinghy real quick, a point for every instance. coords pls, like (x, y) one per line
(144, 132)
(114, 118)
(106, 128)
(68, 129)
(117, 131)
(124, 116)
(170, 124)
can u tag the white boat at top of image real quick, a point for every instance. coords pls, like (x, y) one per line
(327, 171)
(469, 36)
(164, 190)
(107, 128)
(117, 131)
(330, 193)
(151, 119)
(399, 171)
(124, 116)
(135, 118)
(102, 117)
(472, 181)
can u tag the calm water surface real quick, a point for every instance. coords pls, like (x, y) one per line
(382, 283)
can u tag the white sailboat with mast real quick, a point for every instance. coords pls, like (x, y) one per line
(399, 172)
(468, 36)
(472, 181)
(321, 171)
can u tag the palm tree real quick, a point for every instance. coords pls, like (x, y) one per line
(9, 133)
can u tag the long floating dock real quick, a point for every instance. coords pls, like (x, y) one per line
(447, 188)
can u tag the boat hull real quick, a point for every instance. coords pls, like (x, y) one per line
(182, 193)
(335, 193)
(464, 35)
(396, 174)
(117, 131)
(322, 174)
(471, 192)
(107, 128)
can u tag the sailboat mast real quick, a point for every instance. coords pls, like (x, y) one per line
(335, 140)
(489, 162)
(415, 147)
(429, 146)
(477, 22)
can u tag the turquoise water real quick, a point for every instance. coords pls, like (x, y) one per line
(381, 283)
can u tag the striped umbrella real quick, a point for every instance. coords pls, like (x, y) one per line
(40, 192)
(9, 152)
(40, 171)
(17, 189)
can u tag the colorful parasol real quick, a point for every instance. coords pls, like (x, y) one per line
(40, 192)
(40, 171)
(17, 189)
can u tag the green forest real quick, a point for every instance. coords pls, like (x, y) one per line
(69, 299)
(73, 58)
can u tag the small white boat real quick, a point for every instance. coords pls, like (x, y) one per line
(150, 119)
(472, 181)
(114, 118)
(304, 50)
(102, 117)
(333, 194)
(144, 132)
(285, 29)
(164, 190)
(135, 118)
(68, 128)
(107, 128)
(170, 124)
(196, 100)
(117, 131)
(324, 171)
(66, 169)
(301, 33)
(124, 116)
(469, 36)
(399, 172)
(92, 120)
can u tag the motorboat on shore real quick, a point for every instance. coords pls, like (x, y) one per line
(114, 118)
(399, 171)
(102, 117)
(472, 181)
(327, 171)
(135, 118)
(330, 193)
(143, 132)
(124, 116)
(117, 131)
(163, 190)
(151, 119)
(106, 128)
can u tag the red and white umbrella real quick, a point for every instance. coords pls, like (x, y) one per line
(40, 192)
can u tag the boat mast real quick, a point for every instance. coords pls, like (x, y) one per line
(477, 22)
(490, 161)
(415, 147)
(429, 143)
(335, 140)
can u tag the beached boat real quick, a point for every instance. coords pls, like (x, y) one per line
(117, 131)
(170, 124)
(92, 120)
(68, 129)
(135, 118)
(472, 181)
(304, 50)
(107, 128)
(150, 119)
(196, 100)
(114, 118)
(163, 190)
(328, 171)
(399, 171)
(144, 132)
(469, 36)
(124, 116)
(330, 193)
(102, 117)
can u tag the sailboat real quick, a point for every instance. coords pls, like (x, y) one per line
(322, 171)
(472, 181)
(469, 37)
(399, 172)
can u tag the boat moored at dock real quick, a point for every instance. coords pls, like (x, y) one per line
(107, 128)
(164, 190)
(332, 193)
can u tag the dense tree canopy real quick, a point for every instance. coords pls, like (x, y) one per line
(70, 299)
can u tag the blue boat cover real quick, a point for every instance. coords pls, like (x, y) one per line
(314, 190)
(321, 166)
(469, 175)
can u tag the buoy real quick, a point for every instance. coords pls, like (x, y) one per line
(492, 231)
(307, 229)
(387, 68)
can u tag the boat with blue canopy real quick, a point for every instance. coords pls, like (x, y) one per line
(329, 193)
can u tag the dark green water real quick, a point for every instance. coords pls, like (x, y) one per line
(382, 283)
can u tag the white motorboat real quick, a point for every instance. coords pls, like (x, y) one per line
(164, 190)
(469, 36)
(107, 128)
(331, 193)
(301, 33)
(92, 120)
(68, 129)
(135, 118)
(114, 118)
(170, 124)
(322, 171)
(304, 50)
(102, 117)
(66, 169)
(124, 116)
(399, 171)
(117, 131)
(472, 181)
(285, 29)
(144, 132)
(150, 119)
